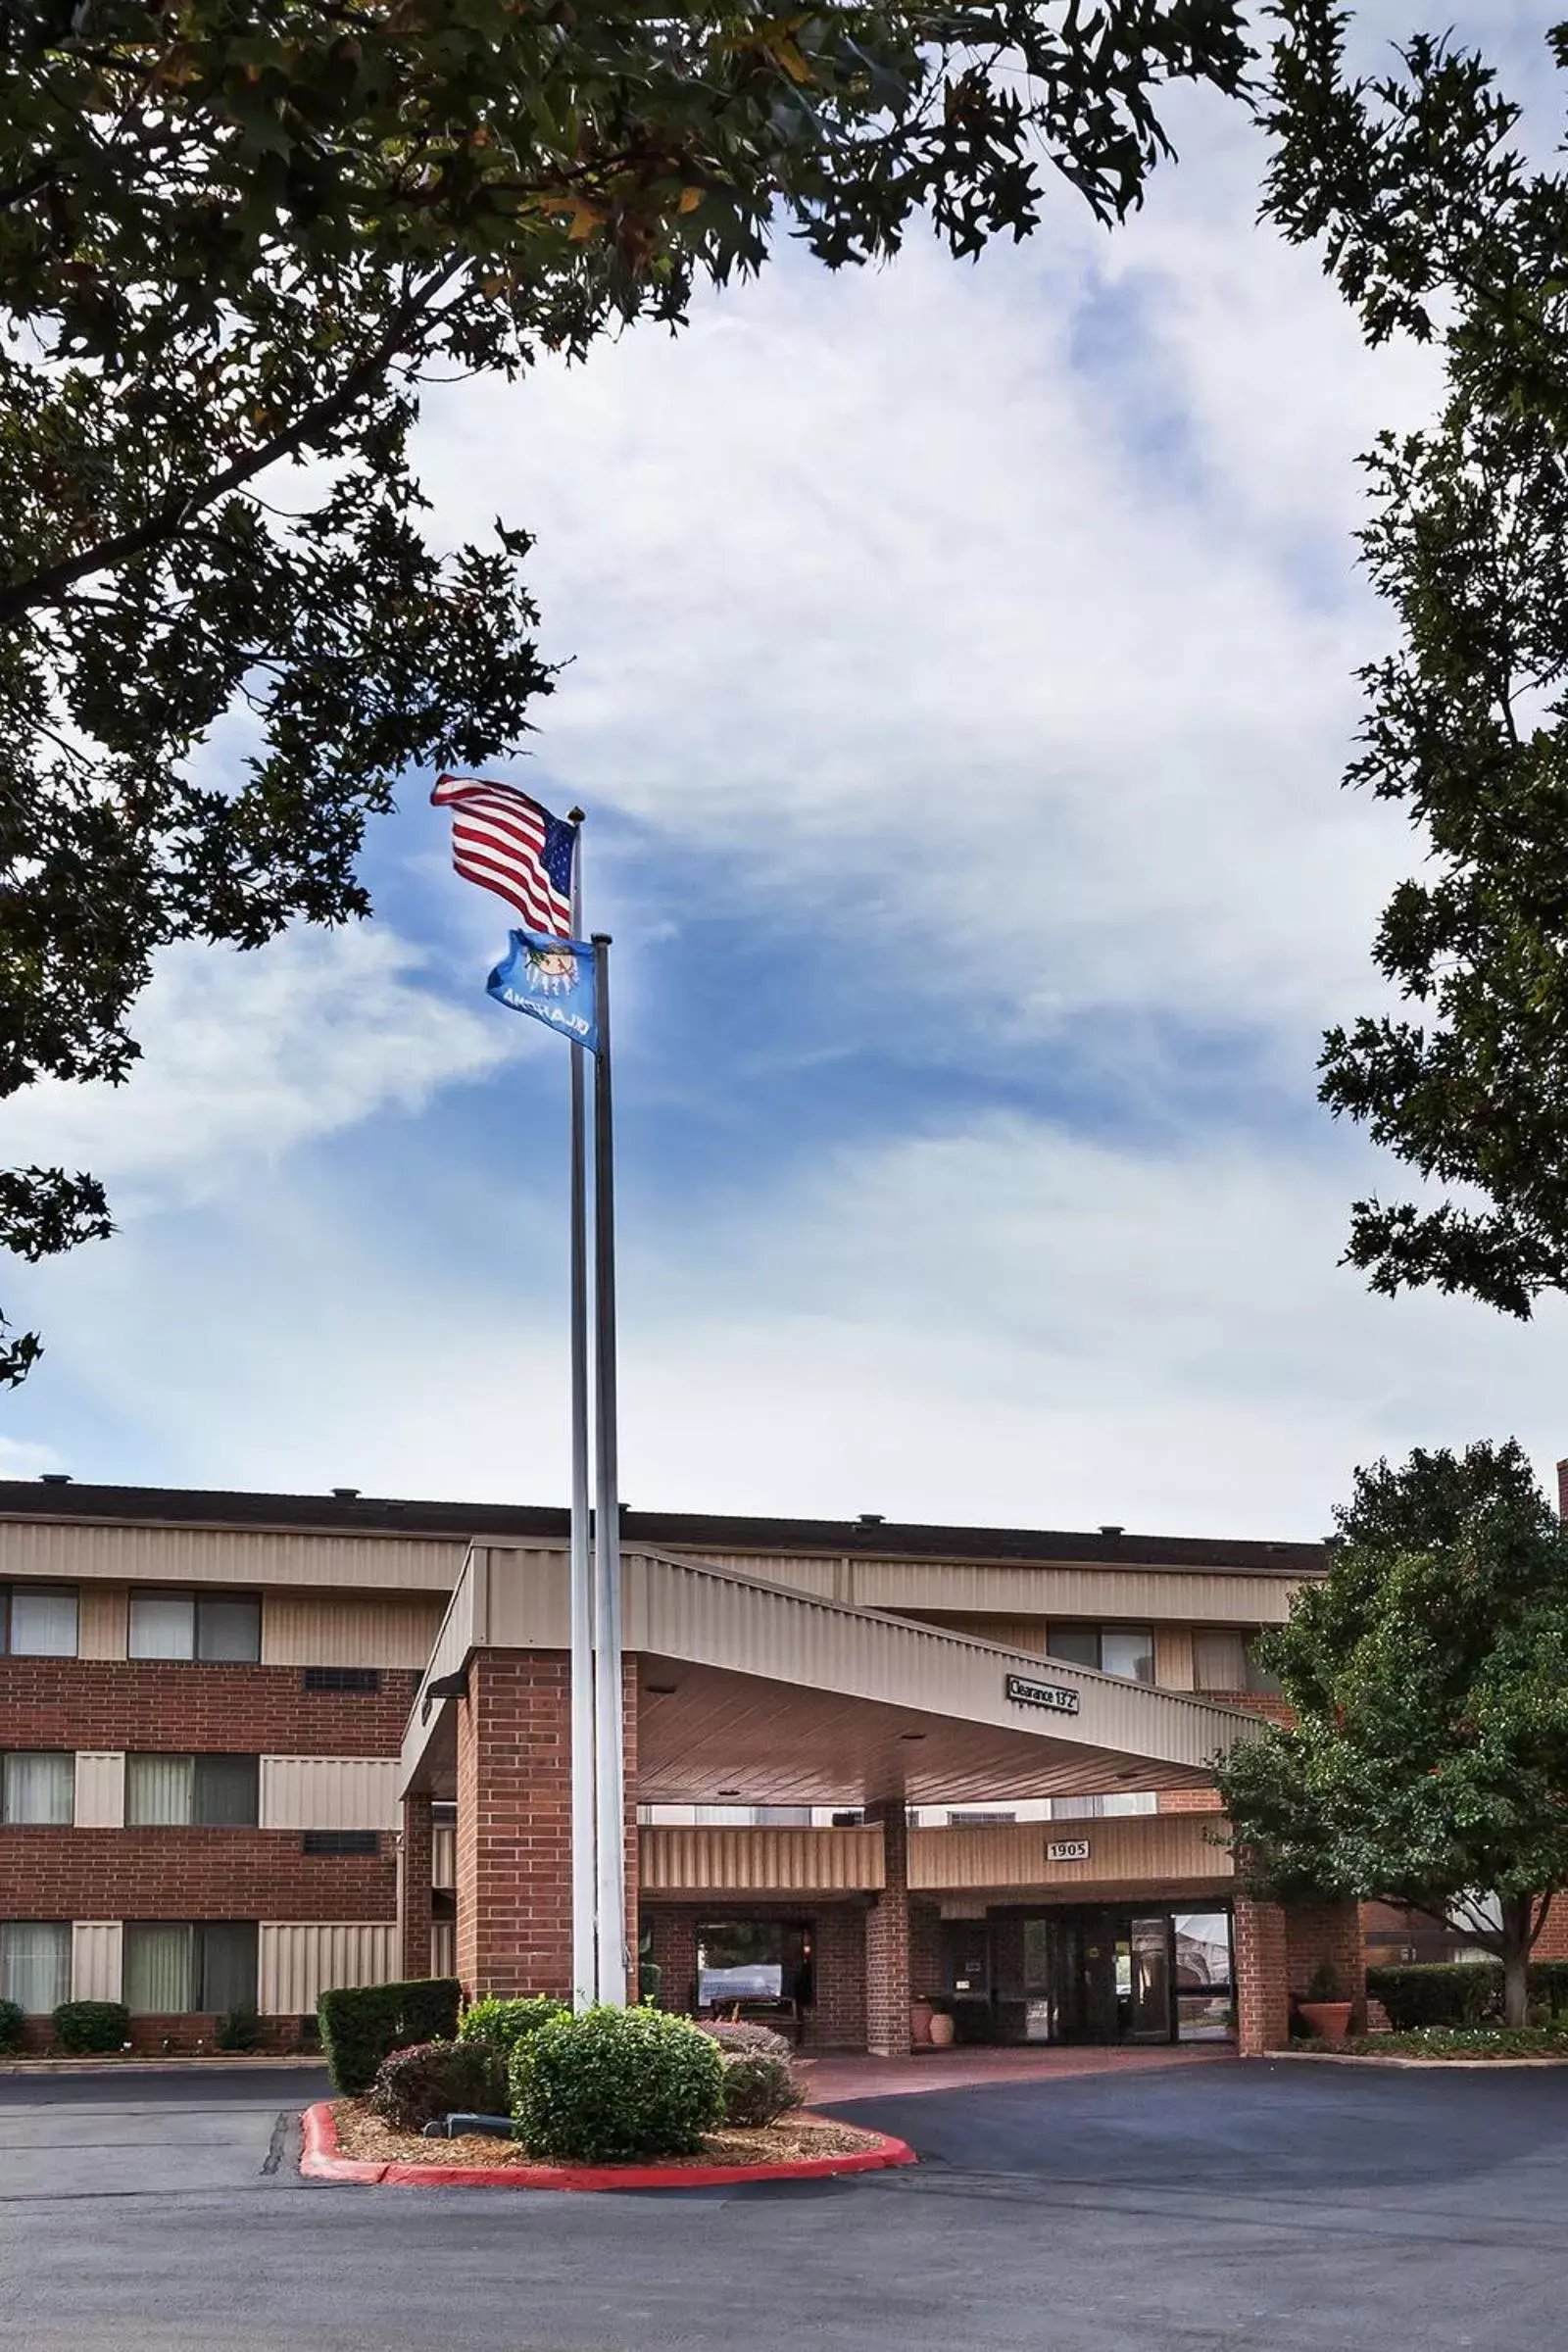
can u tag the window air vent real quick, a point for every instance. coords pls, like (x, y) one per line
(338, 1842)
(342, 1678)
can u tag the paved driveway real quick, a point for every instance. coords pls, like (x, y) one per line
(1257, 2208)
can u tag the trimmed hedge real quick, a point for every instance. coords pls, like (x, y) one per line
(1438, 1993)
(363, 2024)
(506, 2024)
(758, 2088)
(617, 2084)
(738, 2039)
(435, 2078)
(239, 2028)
(1460, 2041)
(13, 2019)
(87, 2029)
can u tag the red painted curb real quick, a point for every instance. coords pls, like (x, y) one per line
(320, 2161)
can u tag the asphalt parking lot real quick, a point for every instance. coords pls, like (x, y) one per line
(1234, 2208)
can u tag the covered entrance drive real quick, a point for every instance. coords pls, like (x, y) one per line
(1138, 1972)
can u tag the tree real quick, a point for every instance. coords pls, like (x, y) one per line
(1428, 1672)
(235, 238)
(1434, 227)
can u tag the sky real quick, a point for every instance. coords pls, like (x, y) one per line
(959, 670)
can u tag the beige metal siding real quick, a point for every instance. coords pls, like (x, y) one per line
(102, 1621)
(1098, 1591)
(1173, 1657)
(1145, 1849)
(328, 1792)
(59, 1552)
(443, 1947)
(299, 1961)
(100, 1792)
(308, 1629)
(96, 1966)
(443, 1858)
(712, 1861)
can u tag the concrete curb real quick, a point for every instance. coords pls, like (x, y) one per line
(320, 2161)
(1441, 2066)
(248, 2063)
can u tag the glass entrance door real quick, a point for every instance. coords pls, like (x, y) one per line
(1148, 2011)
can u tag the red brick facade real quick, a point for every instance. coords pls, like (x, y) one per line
(836, 2018)
(180, 1708)
(189, 1873)
(415, 1895)
(887, 1942)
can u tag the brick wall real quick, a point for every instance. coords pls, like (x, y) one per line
(1262, 1990)
(414, 1892)
(887, 1941)
(180, 1708)
(1318, 1935)
(836, 2019)
(182, 2036)
(189, 1873)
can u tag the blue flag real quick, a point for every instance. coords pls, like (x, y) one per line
(554, 979)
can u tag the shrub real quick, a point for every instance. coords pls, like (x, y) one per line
(1461, 2042)
(85, 2029)
(507, 2023)
(363, 2024)
(616, 2085)
(418, 2086)
(1438, 1993)
(758, 2088)
(13, 2019)
(738, 2039)
(650, 1979)
(239, 2028)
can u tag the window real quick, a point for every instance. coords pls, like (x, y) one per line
(35, 1964)
(753, 1960)
(1205, 1991)
(208, 1793)
(342, 1678)
(339, 1842)
(209, 1625)
(38, 1621)
(979, 1819)
(1223, 1660)
(1108, 1807)
(176, 1968)
(38, 1789)
(1126, 1651)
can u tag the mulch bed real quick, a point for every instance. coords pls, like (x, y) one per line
(795, 2139)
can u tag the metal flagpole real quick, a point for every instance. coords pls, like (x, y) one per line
(613, 1958)
(584, 1845)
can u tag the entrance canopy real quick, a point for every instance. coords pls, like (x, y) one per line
(750, 1693)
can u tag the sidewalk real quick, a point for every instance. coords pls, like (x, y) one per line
(833, 2079)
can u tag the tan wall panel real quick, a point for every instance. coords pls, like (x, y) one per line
(102, 1621)
(1137, 1849)
(329, 1793)
(59, 1552)
(308, 1629)
(96, 1965)
(1173, 1657)
(753, 1861)
(1132, 1593)
(301, 1961)
(100, 1792)
(443, 1858)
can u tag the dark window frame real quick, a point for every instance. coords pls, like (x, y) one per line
(1097, 1628)
(201, 1602)
(7, 1592)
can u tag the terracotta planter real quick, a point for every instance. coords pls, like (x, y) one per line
(921, 2014)
(1326, 2021)
(941, 2030)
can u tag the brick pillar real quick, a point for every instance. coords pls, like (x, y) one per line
(513, 1839)
(887, 1942)
(415, 1872)
(1262, 1978)
(629, 1748)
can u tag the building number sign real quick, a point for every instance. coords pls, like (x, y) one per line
(1067, 1849)
(1025, 1692)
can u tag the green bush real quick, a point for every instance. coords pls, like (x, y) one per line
(1548, 1985)
(239, 2028)
(363, 2024)
(506, 2024)
(417, 2086)
(13, 2019)
(758, 2088)
(87, 2028)
(1461, 2042)
(617, 2084)
(650, 1980)
(1438, 1993)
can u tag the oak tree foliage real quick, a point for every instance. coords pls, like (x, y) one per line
(237, 237)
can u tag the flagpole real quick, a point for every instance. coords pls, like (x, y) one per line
(613, 1958)
(585, 1841)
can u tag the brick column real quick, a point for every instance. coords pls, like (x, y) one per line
(414, 1874)
(887, 1942)
(514, 1837)
(1262, 1978)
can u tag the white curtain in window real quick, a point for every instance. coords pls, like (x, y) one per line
(162, 1624)
(39, 1788)
(1220, 1660)
(35, 1964)
(43, 1621)
(158, 1969)
(158, 1792)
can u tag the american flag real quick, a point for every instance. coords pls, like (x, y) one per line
(507, 843)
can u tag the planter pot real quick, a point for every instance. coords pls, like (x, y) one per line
(942, 2031)
(921, 2014)
(1326, 2021)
